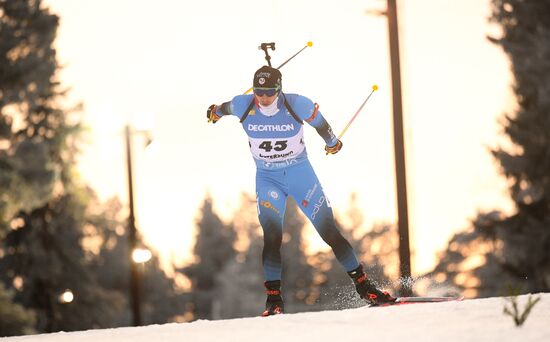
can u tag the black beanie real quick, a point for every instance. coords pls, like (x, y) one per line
(267, 77)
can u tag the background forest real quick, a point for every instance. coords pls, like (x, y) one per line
(56, 237)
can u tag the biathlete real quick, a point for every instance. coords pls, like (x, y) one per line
(273, 122)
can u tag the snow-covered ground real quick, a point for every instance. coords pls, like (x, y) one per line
(469, 320)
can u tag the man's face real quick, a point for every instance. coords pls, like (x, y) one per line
(265, 96)
(265, 100)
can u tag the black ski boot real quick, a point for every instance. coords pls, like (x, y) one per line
(367, 290)
(274, 304)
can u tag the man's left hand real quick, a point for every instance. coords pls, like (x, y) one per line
(334, 149)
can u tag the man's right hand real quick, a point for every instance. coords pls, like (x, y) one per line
(211, 114)
(334, 149)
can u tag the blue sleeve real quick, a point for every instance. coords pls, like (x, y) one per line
(236, 106)
(309, 112)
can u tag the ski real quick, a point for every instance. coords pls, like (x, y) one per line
(418, 300)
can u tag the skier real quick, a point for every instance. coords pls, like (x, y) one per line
(273, 122)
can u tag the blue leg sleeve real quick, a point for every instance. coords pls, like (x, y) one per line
(271, 199)
(308, 193)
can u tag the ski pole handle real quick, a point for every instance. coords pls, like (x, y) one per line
(265, 47)
(309, 44)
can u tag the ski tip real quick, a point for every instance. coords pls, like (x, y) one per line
(310, 44)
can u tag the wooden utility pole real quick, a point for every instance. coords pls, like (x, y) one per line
(134, 281)
(399, 146)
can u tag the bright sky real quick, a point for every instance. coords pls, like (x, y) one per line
(164, 63)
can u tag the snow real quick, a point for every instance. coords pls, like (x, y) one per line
(469, 320)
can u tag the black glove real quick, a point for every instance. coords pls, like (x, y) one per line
(334, 149)
(211, 114)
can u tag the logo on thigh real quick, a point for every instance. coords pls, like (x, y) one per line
(317, 206)
(309, 195)
(268, 205)
(273, 194)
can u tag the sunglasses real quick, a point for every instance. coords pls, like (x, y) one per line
(266, 91)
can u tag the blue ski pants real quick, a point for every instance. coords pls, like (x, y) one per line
(299, 181)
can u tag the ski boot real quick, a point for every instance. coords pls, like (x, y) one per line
(274, 304)
(367, 290)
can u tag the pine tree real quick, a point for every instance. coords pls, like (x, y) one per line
(214, 248)
(34, 133)
(54, 234)
(240, 290)
(32, 130)
(501, 250)
(44, 257)
(106, 243)
(526, 235)
(470, 264)
(14, 319)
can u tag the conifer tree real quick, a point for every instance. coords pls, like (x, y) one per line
(240, 290)
(33, 130)
(512, 250)
(526, 235)
(14, 319)
(107, 250)
(214, 248)
(46, 215)
(35, 144)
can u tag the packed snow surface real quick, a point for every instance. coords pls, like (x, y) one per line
(469, 320)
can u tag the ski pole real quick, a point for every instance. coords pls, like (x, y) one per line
(309, 44)
(374, 88)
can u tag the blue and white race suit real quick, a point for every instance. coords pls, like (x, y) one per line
(283, 169)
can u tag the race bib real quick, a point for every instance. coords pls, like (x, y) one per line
(277, 149)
